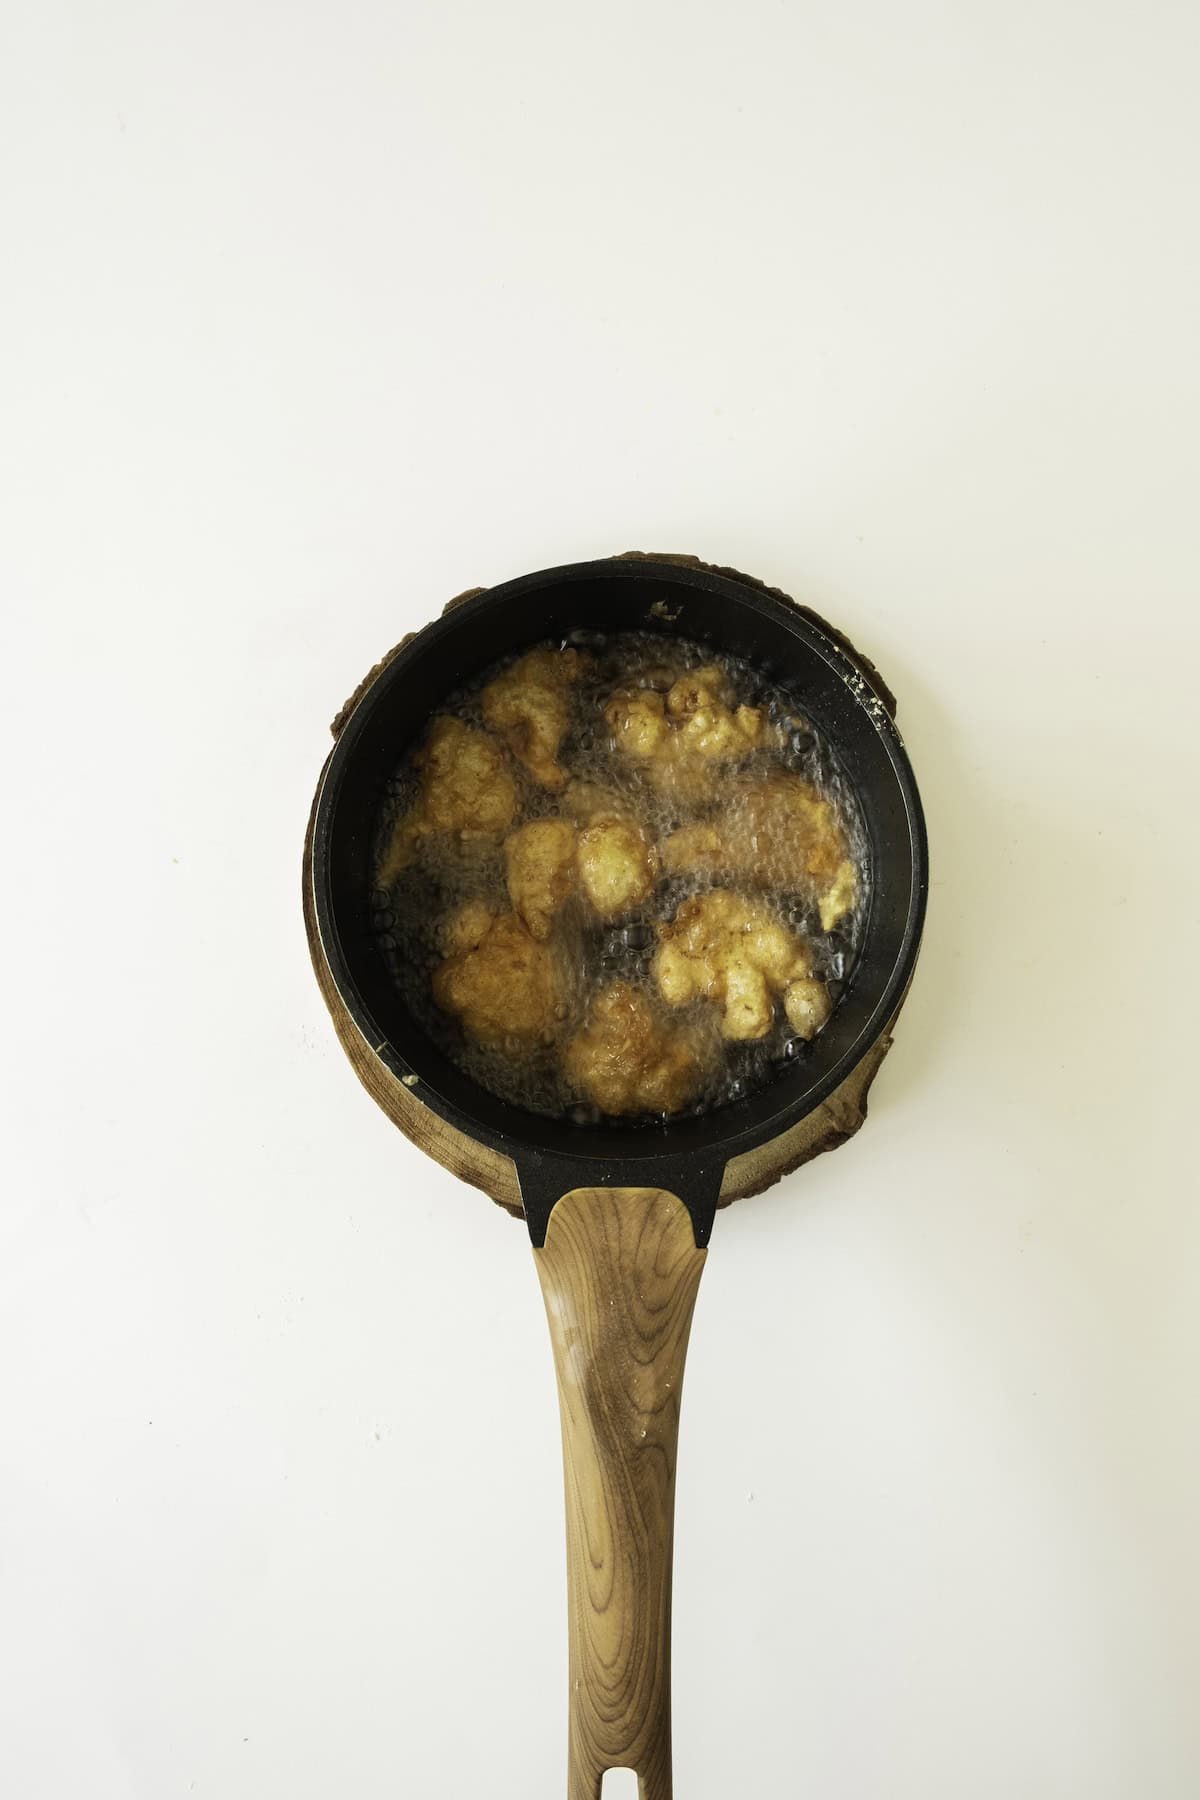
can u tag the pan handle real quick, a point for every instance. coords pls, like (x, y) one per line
(619, 1272)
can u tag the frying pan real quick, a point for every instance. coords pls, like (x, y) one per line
(620, 1215)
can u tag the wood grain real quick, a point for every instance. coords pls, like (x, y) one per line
(619, 1272)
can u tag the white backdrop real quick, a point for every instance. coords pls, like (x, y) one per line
(314, 315)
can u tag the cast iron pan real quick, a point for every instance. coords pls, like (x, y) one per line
(619, 1215)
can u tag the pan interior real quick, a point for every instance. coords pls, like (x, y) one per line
(786, 648)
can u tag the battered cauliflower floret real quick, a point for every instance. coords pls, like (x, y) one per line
(707, 725)
(504, 985)
(610, 858)
(776, 832)
(629, 1060)
(706, 686)
(617, 864)
(467, 794)
(840, 896)
(540, 862)
(638, 720)
(528, 706)
(466, 927)
(734, 952)
(694, 718)
(808, 1007)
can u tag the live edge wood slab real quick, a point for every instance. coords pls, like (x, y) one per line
(619, 1272)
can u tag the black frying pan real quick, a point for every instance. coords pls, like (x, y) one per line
(619, 1215)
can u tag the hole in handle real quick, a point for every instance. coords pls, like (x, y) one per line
(620, 1784)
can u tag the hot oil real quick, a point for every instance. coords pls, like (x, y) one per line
(411, 912)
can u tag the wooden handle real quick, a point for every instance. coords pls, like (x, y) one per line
(619, 1272)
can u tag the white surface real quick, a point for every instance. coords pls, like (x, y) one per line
(314, 316)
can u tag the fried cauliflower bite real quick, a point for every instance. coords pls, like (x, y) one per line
(627, 1059)
(776, 832)
(694, 718)
(638, 721)
(840, 896)
(466, 927)
(539, 859)
(808, 1007)
(528, 706)
(505, 986)
(467, 793)
(618, 864)
(609, 857)
(707, 725)
(734, 952)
